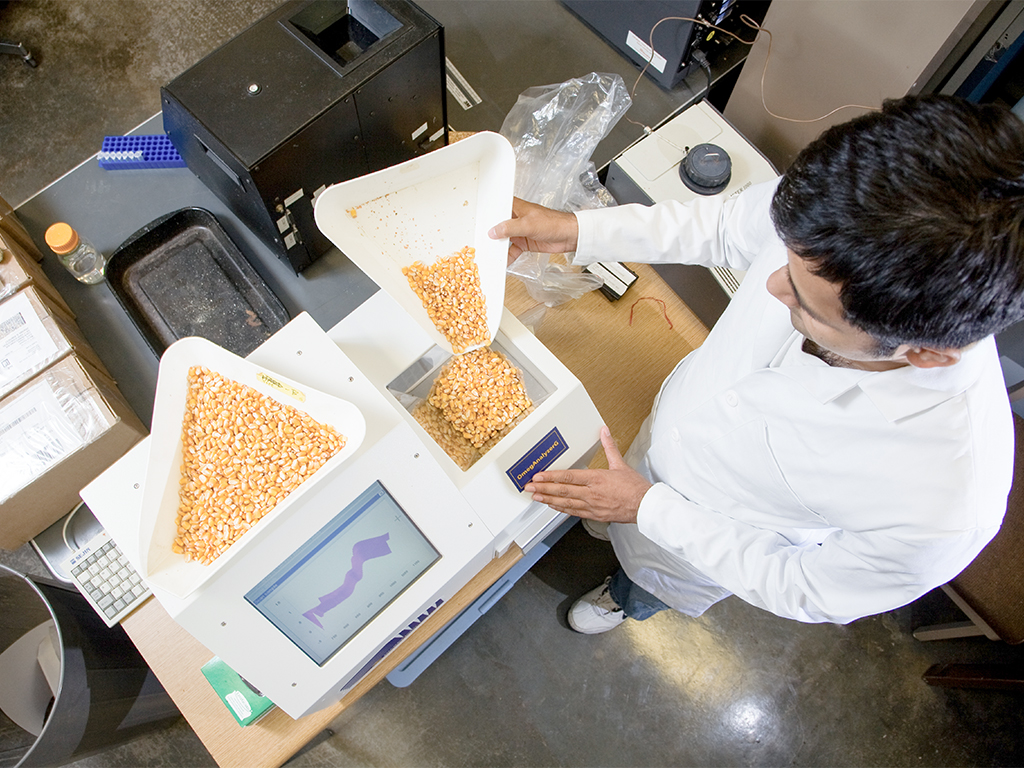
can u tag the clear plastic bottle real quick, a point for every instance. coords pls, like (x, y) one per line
(77, 254)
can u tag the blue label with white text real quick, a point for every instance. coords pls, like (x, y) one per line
(537, 459)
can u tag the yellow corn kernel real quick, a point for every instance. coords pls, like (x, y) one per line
(239, 447)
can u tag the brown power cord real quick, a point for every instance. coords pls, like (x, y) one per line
(758, 29)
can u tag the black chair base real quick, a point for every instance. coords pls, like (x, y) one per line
(17, 49)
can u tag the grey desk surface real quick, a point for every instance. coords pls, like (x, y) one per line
(501, 47)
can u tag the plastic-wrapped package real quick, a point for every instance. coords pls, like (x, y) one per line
(18, 269)
(554, 130)
(14, 231)
(44, 421)
(34, 334)
(59, 432)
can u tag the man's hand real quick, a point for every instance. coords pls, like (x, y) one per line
(537, 229)
(610, 495)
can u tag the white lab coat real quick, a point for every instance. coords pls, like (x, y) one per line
(817, 493)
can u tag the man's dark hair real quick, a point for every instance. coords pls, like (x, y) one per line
(917, 212)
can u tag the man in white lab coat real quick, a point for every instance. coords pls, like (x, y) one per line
(842, 442)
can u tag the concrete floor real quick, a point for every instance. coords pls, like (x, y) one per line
(735, 687)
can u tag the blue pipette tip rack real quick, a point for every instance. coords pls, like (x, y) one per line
(122, 153)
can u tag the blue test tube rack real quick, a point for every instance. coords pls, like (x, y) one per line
(121, 153)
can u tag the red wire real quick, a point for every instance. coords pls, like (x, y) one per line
(664, 309)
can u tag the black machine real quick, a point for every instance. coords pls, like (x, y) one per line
(315, 93)
(627, 25)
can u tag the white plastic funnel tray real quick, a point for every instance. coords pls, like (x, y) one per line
(160, 566)
(425, 209)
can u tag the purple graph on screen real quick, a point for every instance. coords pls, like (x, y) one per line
(364, 550)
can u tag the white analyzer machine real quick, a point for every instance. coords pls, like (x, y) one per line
(698, 152)
(317, 599)
(312, 598)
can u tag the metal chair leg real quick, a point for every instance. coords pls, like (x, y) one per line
(17, 49)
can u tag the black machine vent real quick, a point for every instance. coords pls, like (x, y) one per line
(315, 93)
(344, 31)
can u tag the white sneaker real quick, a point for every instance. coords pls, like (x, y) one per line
(596, 529)
(596, 611)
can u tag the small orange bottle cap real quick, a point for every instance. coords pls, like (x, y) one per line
(61, 238)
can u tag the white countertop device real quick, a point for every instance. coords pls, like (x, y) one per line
(698, 152)
(316, 598)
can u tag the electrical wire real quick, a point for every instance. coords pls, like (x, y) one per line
(758, 29)
(702, 60)
(64, 528)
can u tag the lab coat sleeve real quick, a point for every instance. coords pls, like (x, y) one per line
(710, 231)
(848, 576)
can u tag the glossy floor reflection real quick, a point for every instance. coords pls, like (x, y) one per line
(735, 687)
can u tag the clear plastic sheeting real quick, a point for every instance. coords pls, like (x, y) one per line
(554, 130)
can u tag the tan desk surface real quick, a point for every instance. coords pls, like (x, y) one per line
(621, 364)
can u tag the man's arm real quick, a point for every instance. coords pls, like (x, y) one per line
(710, 230)
(610, 495)
(536, 229)
(851, 574)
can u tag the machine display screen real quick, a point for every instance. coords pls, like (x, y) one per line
(346, 574)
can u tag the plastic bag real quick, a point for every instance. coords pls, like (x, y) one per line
(554, 130)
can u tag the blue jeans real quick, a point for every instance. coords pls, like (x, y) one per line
(636, 602)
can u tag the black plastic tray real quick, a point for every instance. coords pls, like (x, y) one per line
(181, 275)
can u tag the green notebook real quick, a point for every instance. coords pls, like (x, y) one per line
(245, 703)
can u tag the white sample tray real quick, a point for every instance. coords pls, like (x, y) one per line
(424, 209)
(160, 566)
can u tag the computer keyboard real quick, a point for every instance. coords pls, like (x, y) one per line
(106, 579)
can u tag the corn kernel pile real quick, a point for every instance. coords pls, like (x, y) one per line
(243, 453)
(480, 394)
(452, 442)
(451, 293)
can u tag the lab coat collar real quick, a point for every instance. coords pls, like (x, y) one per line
(909, 391)
(898, 393)
(824, 382)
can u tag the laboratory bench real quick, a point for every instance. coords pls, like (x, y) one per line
(621, 351)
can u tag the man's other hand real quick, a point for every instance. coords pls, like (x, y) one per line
(536, 229)
(610, 495)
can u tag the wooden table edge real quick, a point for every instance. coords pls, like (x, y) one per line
(273, 739)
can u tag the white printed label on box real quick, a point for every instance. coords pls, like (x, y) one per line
(25, 346)
(35, 433)
(649, 55)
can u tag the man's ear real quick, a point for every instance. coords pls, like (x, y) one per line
(927, 357)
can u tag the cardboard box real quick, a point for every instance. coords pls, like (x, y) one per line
(18, 270)
(57, 434)
(34, 334)
(9, 225)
